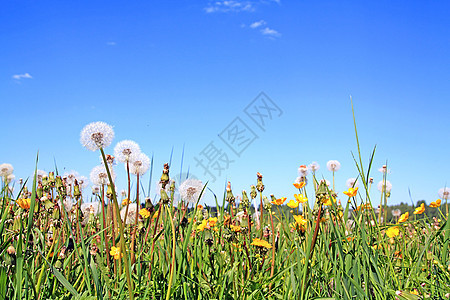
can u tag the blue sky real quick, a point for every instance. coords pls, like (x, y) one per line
(174, 74)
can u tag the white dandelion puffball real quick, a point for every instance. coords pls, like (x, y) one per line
(68, 204)
(96, 135)
(303, 170)
(131, 216)
(83, 182)
(139, 163)
(95, 189)
(444, 193)
(396, 212)
(301, 179)
(86, 208)
(384, 169)
(71, 176)
(99, 175)
(190, 190)
(384, 186)
(6, 169)
(41, 174)
(333, 165)
(124, 149)
(314, 166)
(352, 183)
(10, 178)
(327, 182)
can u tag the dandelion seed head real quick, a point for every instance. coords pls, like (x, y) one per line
(303, 170)
(396, 212)
(444, 193)
(314, 166)
(384, 186)
(99, 175)
(124, 149)
(139, 163)
(190, 190)
(131, 216)
(352, 182)
(301, 179)
(6, 169)
(40, 174)
(96, 135)
(333, 165)
(10, 178)
(71, 176)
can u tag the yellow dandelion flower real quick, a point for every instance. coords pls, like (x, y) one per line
(279, 201)
(437, 203)
(300, 198)
(292, 204)
(328, 201)
(125, 201)
(203, 225)
(235, 228)
(261, 243)
(299, 185)
(155, 215)
(351, 192)
(300, 220)
(24, 203)
(144, 213)
(392, 232)
(415, 292)
(212, 221)
(420, 210)
(404, 217)
(115, 251)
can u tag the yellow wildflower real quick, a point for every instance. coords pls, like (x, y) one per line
(299, 185)
(155, 215)
(212, 221)
(328, 201)
(420, 210)
(292, 204)
(24, 203)
(125, 201)
(115, 251)
(300, 198)
(392, 232)
(300, 220)
(261, 243)
(235, 228)
(203, 225)
(144, 213)
(415, 292)
(404, 217)
(279, 201)
(351, 192)
(436, 204)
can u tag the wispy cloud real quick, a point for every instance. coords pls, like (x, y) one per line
(229, 6)
(270, 32)
(257, 24)
(111, 43)
(22, 76)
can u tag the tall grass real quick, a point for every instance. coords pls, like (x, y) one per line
(340, 251)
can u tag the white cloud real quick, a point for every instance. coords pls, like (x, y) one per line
(229, 6)
(257, 24)
(111, 43)
(270, 32)
(22, 76)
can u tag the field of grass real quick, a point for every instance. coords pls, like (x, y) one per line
(56, 245)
